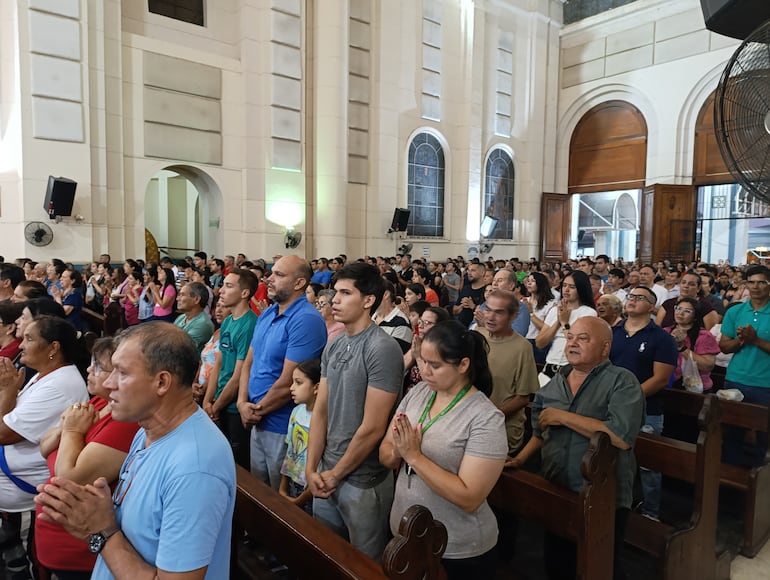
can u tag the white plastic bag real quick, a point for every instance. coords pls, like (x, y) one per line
(691, 379)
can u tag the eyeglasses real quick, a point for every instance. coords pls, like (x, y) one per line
(320, 305)
(98, 370)
(422, 322)
(683, 310)
(125, 480)
(639, 298)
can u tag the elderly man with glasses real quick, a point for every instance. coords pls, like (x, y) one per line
(648, 351)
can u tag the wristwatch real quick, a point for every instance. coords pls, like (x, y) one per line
(97, 541)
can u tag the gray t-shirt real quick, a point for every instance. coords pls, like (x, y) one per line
(474, 427)
(351, 365)
(454, 279)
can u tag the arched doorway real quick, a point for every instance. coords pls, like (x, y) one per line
(182, 209)
(607, 166)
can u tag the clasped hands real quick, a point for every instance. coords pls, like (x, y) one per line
(79, 418)
(747, 334)
(251, 413)
(10, 378)
(82, 510)
(549, 417)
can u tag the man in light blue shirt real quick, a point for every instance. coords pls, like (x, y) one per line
(155, 522)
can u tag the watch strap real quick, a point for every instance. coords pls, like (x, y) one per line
(109, 532)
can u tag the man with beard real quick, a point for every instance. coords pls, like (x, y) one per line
(287, 333)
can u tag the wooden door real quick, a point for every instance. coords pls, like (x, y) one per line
(555, 223)
(667, 229)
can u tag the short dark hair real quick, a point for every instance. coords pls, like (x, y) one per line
(44, 306)
(33, 289)
(201, 255)
(758, 270)
(366, 279)
(246, 280)
(13, 273)
(10, 311)
(165, 347)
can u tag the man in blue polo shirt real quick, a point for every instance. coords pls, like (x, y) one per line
(648, 351)
(288, 333)
(323, 275)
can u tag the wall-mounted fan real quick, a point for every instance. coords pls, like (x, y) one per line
(291, 239)
(405, 248)
(38, 233)
(742, 113)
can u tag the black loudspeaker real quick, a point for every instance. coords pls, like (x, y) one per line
(59, 196)
(734, 18)
(400, 220)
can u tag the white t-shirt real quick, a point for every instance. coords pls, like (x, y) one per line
(38, 408)
(661, 294)
(556, 354)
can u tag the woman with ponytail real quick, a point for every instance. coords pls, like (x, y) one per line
(448, 443)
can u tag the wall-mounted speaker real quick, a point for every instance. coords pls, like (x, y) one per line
(59, 196)
(400, 220)
(734, 18)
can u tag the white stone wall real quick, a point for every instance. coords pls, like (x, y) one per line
(279, 112)
(655, 54)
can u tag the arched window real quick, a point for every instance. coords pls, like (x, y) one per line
(498, 193)
(425, 188)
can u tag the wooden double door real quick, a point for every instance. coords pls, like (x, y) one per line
(667, 224)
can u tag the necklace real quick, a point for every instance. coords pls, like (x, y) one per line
(446, 409)
(428, 405)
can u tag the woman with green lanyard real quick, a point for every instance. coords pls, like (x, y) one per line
(448, 443)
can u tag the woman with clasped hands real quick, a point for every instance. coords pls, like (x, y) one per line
(48, 345)
(448, 443)
(86, 445)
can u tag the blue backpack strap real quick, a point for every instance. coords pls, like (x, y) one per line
(18, 482)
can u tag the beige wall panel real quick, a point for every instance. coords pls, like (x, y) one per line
(181, 143)
(181, 75)
(182, 110)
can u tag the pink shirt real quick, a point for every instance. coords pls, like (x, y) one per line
(166, 290)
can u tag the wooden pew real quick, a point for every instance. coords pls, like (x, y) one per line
(311, 550)
(587, 518)
(689, 552)
(754, 482)
(94, 320)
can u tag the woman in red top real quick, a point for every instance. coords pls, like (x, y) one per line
(9, 344)
(86, 445)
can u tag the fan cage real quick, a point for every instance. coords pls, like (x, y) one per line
(742, 113)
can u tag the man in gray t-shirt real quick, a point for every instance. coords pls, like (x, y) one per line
(361, 373)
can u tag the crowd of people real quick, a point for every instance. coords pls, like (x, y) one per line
(354, 388)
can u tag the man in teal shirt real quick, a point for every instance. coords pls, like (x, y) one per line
(234, 339)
